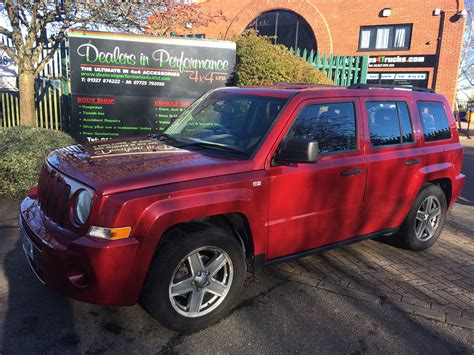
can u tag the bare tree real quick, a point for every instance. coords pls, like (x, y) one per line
(178, 16)
(466, 72)
(33, 25)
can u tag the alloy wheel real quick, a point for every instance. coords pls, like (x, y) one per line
(201, 281)
(427, 218)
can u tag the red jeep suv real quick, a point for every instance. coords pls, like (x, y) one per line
(244, 178)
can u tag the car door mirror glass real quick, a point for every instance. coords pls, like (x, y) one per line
(297, 150)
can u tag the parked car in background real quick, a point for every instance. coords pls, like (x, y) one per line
(243, 179)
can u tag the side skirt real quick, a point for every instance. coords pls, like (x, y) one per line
(259, 261)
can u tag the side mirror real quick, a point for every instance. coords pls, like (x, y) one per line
(297, 150)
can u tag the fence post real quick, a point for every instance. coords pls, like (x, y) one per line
(364, 69)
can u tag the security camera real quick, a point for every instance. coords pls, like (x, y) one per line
(462, 13)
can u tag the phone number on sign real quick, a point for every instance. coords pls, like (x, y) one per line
(118, 81)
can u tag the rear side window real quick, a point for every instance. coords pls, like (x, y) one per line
(434, 120)
(389, 123)
(332, 125)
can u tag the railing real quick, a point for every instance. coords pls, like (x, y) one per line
(343, 70)
(51, 94)
(49, 103)
(9, 109)
(462, 112)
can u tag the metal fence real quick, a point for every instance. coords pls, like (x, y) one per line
(343, 70)
(51, 93)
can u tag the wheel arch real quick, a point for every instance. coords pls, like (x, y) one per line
(444, 184)
(235, 224)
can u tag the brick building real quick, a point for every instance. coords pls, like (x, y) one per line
(409, 42)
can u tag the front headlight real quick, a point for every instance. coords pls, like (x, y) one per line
(82, 206)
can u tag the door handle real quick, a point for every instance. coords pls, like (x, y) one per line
(412, 162)
(351, 172)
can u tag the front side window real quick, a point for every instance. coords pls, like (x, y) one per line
(396, 37)
(434, 120)
(389, 123)
(227, 119)
(333, 126)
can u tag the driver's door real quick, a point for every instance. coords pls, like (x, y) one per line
(312, 205)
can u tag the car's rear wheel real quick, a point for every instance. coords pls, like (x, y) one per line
(425, 220)
(194, 278)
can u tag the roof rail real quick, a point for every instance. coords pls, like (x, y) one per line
(304, 84)
(386, 86)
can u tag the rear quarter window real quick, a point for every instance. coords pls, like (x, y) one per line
(434, 120)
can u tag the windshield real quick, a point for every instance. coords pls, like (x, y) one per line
(227, 119)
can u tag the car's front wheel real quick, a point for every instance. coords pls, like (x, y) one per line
(425, 220)
(194, 278)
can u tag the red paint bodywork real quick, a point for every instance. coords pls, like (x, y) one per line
(295, 208)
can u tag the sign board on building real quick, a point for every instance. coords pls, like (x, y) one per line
(126, 85)
(402, 61)
(419, 79)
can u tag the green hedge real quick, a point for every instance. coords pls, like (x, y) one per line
(22, 151)
(259, 62)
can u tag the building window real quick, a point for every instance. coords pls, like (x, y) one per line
(286, 28)
(392, 37)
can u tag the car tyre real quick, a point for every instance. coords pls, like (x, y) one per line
(425, 220)
(191, 268)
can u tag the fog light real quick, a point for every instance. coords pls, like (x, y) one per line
(109, 233)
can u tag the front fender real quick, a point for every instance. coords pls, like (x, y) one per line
(163, 214)
(231, 195)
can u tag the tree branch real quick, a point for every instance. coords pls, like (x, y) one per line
(56, 42)
(11, 53)
(5, 32)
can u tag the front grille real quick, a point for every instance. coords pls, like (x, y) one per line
(53, 194)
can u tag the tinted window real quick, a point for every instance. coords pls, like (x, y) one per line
(434, 121)
(405, 122)
(389, 123)
(332, 125)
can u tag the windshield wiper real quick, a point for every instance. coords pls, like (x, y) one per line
(168, 137)
(215, 146)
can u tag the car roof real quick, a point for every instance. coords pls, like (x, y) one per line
(306, 91)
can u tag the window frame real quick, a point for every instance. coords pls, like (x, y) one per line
(393, 28)
(404, 144)
(307, 103)
(423, 126)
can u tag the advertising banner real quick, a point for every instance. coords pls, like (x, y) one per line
(128, 85)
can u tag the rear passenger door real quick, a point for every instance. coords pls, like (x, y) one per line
(395, 159)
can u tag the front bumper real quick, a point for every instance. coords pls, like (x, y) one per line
(82, 268)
